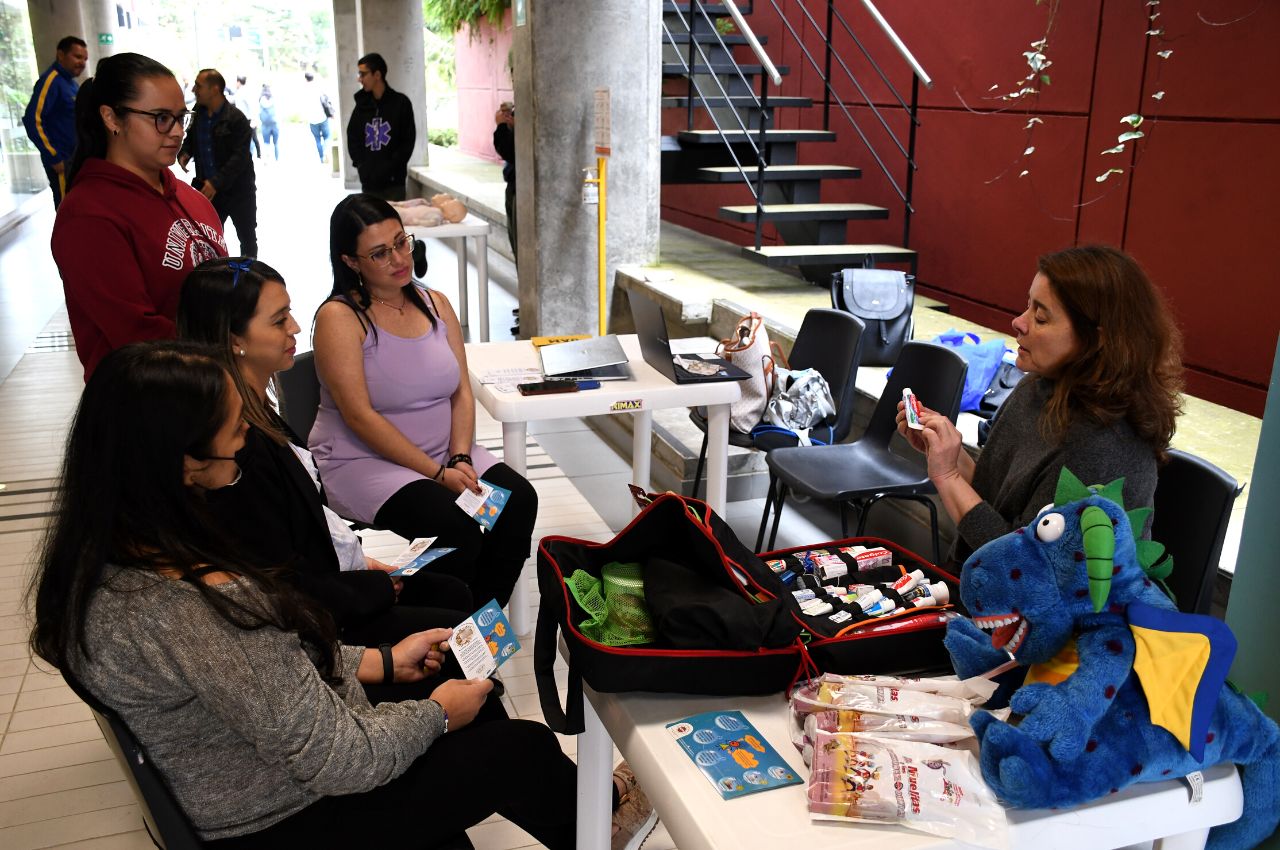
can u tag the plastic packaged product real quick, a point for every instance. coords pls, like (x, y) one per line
(922, 786)
(976, 690)
(907, 727)
(844, 692)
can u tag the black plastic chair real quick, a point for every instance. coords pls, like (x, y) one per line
(864, 471)
(162, 817)
(829, 341)
(300, 394)
(1192, 508)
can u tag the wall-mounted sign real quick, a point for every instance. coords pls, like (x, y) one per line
(106, 38)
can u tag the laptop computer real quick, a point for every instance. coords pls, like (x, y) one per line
(651, 327)
(599, 358)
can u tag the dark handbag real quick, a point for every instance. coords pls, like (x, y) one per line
(883, 300)
(1002, 383)
(687, 532)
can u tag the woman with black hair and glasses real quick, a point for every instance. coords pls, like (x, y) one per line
(127, 232)
(236, 685)
(395, 435)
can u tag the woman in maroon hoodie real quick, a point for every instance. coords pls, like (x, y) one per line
(128, 232)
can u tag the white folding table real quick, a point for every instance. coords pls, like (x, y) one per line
(475, 228)
(698, 819)
(647, 390)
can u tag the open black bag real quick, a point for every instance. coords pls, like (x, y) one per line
(686, 530)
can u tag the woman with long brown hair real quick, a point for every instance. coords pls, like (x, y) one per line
(1101, 398)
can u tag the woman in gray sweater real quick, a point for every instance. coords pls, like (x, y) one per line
(235, 683)
(1104, 390)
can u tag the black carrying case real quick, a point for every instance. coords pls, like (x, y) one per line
(687, 530)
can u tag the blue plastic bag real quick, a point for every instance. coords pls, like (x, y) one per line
(983, 359)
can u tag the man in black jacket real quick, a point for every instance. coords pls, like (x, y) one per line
(218, 141)
(380, 134)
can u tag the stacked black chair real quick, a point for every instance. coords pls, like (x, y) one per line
(829, 341)
(864, 471)
(1192, 508)
(300, 394)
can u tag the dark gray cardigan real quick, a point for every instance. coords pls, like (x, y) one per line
(239, 722)
(1017, 471)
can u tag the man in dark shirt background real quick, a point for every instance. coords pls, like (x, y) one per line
(218, 141)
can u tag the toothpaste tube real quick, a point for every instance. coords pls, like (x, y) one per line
(869, 558)
(869, 599)
(908, 581)
(928, 594)
(912, 407)
(884, 606)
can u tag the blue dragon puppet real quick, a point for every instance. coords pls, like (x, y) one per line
(1120, 687)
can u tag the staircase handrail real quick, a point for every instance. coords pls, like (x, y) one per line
(754, 43)
(898, 44)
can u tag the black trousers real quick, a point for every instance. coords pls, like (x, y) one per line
(514, 768)
(489, 563)
(242, 209)
(511, 221)
(58, 183)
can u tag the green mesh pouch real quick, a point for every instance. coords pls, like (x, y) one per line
(616, 613)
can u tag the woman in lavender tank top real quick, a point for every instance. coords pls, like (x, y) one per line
(395, 435)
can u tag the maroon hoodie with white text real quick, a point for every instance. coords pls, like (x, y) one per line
(123, 250)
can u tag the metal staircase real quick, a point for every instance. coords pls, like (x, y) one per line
(742, 146)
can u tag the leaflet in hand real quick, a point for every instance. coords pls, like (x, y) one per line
(732, 753)
(483, 641)
(485, 506)
(416, 556)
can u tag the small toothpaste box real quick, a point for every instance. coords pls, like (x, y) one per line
(870, 558)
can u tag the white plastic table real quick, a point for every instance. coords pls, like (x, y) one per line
(648, 390)
(478, 229)
(698, 819)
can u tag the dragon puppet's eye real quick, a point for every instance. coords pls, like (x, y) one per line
(1050, 527)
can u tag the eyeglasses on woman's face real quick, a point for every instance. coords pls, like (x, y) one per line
(381, 255)
(163, 118)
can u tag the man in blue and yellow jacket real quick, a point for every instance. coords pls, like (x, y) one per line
(50, 118)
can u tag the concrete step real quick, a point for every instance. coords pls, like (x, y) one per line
(829, 255)
(748, 101)
(714, 137)
(805, 212)
(677, 69)
(777, 173)
(712, 38)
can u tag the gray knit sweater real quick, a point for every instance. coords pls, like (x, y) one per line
(239, 722)
(1017, 471)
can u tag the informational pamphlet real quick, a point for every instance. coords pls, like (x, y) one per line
(416, 556)
(732, 753)
(483, 641)
(485, 506)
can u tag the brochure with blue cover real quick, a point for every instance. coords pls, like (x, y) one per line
(732, 753)
(416, 556)
(483, 641)
(487, 505)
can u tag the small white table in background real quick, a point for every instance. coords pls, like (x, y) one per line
(647, 390)
(478, 229)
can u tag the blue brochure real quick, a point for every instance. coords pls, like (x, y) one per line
(483, 641)
(732, 753)
(487, 505)
(416, 556)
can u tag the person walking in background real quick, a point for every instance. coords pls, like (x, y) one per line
(267, 118)
(504, 142)
(128, 233)
(219, 144)
(243, 99)
(381, 133)
(317, 110)
(50, 119)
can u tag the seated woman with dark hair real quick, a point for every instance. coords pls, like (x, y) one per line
(234, 682)
(395, 435)
(1101, 398)
(241, 309)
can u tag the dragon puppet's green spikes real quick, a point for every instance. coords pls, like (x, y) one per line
(1099, 553)
(1113, 491)
(1138, 520)
(1069, 488)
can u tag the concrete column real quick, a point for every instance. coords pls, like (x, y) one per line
(565, 51)
(392, 28)
(53, 19)
(99, 18)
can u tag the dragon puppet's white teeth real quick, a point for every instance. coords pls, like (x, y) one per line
(989, 623)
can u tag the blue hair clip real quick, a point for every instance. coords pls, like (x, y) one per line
(238, 267)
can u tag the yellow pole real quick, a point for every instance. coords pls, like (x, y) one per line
(602, 175)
